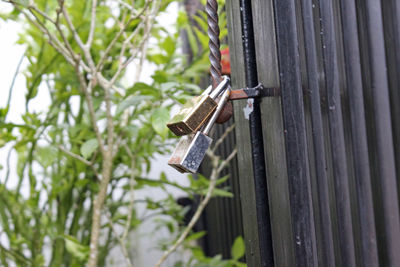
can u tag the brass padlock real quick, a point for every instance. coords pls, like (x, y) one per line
(192, 148)
(196, 111)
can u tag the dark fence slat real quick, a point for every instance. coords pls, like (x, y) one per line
(395, 92)
(274, 143)
(295, 136)
(331, 154)
(338, 149)
(359, 137)
(391, 24)
(256, 137)
(246, 181)
(384, 138)
(317, 134)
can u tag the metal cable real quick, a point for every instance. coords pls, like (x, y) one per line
(214, 43)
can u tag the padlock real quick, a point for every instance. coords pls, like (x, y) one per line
(196, 111)
(192, 148)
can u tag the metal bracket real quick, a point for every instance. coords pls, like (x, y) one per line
(254, 92)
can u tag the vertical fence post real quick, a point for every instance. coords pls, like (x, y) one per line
(257, 146)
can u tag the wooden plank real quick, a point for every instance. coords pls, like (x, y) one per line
(244, 157)
(274, 144)
(295, 134)
(391, 19)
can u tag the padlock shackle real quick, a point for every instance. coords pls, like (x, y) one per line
(221, 86)
(224, 99)
(207, 91)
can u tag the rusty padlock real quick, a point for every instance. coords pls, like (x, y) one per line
(197, 110)
(192, 148)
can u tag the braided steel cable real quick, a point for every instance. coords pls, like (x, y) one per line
(214, 43)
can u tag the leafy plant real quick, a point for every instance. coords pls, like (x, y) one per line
(200, 260)
(84, 158)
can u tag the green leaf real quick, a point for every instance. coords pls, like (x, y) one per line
(198, 253)
(158, 58)
(148, 182)
(76, 249)
(159, 121)
(240, 264)
(179, 264)
(222, 180)
(81, 183)
(169, 46)
(46, 156)
(196, 236)
(222, 193)
(202, 37)
(238, 248)
(165, 87)
(144, 89)
(160, 76)
(89, 147)
(23, 3)
(131, 101)
(216, 261)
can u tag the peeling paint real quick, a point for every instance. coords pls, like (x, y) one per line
(249, 108)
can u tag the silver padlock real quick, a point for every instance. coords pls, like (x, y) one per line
(192, 148)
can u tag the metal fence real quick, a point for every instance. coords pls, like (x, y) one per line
(332, 137)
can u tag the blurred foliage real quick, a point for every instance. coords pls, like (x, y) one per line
(55, 213)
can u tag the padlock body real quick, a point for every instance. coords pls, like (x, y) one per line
(190, 152)
(192, 115)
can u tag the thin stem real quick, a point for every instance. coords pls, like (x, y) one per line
(12, 84)
(92, 25)
(121, 242)
(217, 168)
(132, 184)
(121, 32)
(146, 35)
(60, 31)
(78, 39)
(52, 39)
(16, 255)
(109, 119)
(222, 138)
(86, 88)
(8, 166)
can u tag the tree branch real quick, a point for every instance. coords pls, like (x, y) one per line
(52, 39)
(10, 90)
(132, 183)
(92, 25)
(121, 242)
(222, 138)
(98, 204)
(148, 26)
(122, 31)
(73, 155)
(109, 119)
(217, 168)
(86, 88)
(8, 166)
(85, 49)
